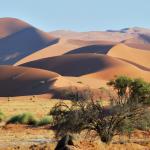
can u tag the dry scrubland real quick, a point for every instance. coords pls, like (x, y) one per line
(28, 137)
(46, 65)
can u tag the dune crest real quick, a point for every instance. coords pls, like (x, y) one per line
(9, 26)
(132, 55)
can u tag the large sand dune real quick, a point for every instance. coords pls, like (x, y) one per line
(59, 48)
(9, 26)
(19, 39)
(138, 57)
(24, 81)
(65, 46)
(91, 65)
(15, 81)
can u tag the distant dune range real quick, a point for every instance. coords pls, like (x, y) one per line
(135, 37)
(34, 62)
(92, 35)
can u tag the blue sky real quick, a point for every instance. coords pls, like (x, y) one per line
(79, 15)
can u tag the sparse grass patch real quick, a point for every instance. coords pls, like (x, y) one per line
(29, 119)
(25, 118)
(2, 116)
(45, 120)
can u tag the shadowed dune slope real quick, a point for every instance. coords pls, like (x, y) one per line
(74, 64)
(19, 39)
(135, 56)
(92, 65)
(65, 46)
(99, 47)
(59, 48)
(21, 81)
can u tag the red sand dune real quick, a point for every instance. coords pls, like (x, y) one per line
(19, 39)
(59, 48)
(9, 26)
(138, 57)
(90, 65)
(65, 46)
(21, 81)
(88, 57)
(24, 81)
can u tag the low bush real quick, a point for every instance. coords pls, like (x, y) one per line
(25, 118)
(45, 120)
(144, 122)
(80, 94)
(74, 93)
(126, 127)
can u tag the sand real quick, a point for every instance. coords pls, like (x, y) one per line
(15, 81)
(36, 66)
(23, 136)
(19, 39)
(131, 55)
(94, 65)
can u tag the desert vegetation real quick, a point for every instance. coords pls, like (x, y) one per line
(2, 116)
(25, 118)
(45, 120)
(128, 104)
(29, 119)
(82, 94)
(59, 83)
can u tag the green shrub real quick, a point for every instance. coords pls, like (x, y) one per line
(136, 89)
(25, 118)
(45, 120)
(2, 116)
(14, 119)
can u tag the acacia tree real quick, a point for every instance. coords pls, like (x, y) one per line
(92, 115)
(133, 89)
